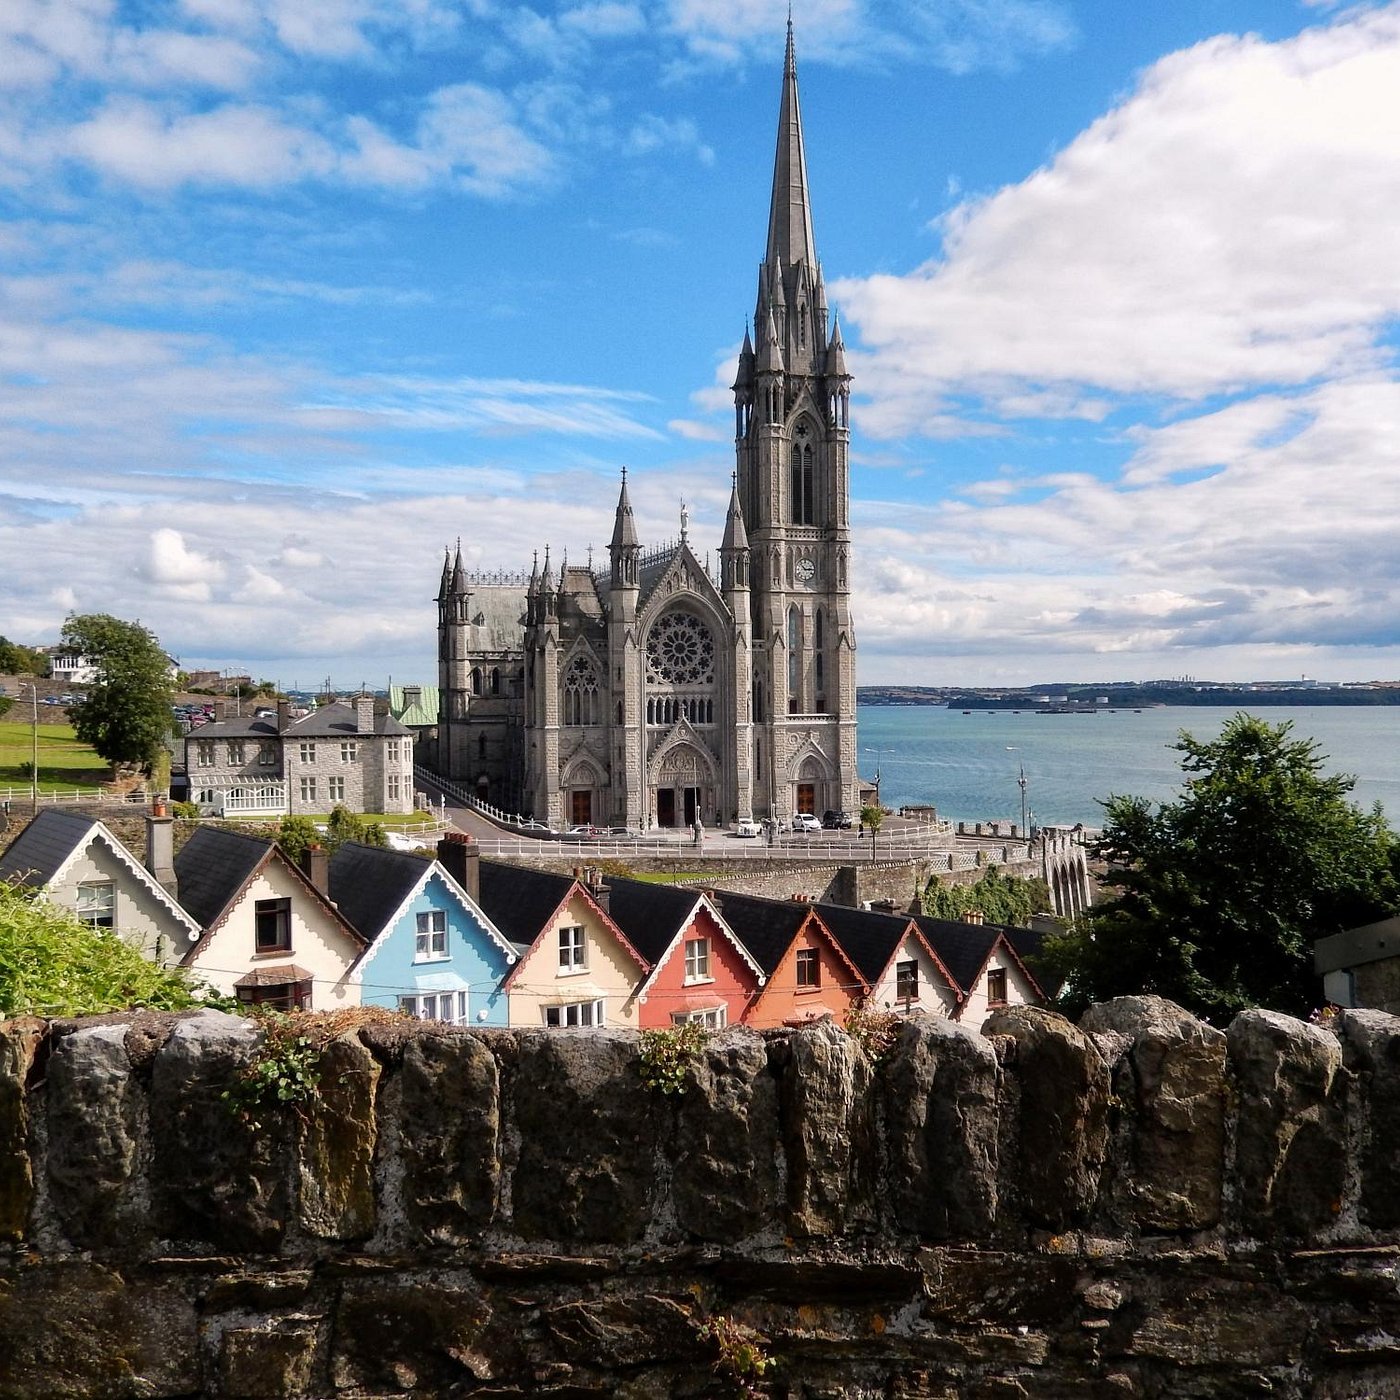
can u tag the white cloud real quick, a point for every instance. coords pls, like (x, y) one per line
(179, 571)
(1228, 225)
(695, 432)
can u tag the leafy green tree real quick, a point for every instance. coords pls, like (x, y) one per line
(126, 715)
(54, 964)
(17, 660)
(1221, 894)
(872, 818)
(1001, 899)
(296, 835)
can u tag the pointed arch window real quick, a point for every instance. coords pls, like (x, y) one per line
(819, 660)
(794, 660)
(580, 692)
(804, 486)
(476, 680)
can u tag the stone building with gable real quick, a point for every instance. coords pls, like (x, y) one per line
(657, 691)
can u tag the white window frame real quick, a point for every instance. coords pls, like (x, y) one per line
(573, 950)
(713, 1018)
(267, 755)
(97, 903)
(430, 936)
(453, 1008)
(237, 753)
(335, 789)
(697, 960)
(393, 790)
(204, 753)
(307, 751)
(906, 967)
(308, 789)
(575, 1013)
(349, 751)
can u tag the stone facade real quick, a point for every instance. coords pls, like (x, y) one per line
(1141, 1206)
(659, 692)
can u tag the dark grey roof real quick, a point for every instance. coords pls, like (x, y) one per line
(368, 883)
(244, 728)
(520, 901)
(649, 914)
(212, 866)
(1029, 944)
(766, 927)
(869, 938)
(36, 854)
(338, 721)
(964, 947)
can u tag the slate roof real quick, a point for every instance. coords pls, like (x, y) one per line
(649, 914)
(766, 927)
(37, 853)
(369, 883)
(338, 721)
(1028, 943)
(964, 948)
(245, 728)
(212, 866)
(520, 901)
(870, 939)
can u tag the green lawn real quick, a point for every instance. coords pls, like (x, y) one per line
(65, 763)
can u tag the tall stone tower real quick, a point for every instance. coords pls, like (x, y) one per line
(792, 439)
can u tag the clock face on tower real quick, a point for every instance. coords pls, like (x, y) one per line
(806, 570)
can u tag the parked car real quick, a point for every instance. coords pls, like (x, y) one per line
(806, 821)
(746, 826)
(67, 700)
(532, 827)
(51, 699)
(836, 821)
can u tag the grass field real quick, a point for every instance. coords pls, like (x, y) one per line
(65, 763)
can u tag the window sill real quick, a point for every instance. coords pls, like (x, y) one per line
(263, 954)
(699, 981)
(808, 991)
(433, 958)
(573, 972)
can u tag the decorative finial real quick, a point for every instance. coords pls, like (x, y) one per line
(624, 473)
(590, 558)
(685, 520)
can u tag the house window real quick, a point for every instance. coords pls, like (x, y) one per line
(272, 926)
(267, 755)
(906, 980)
(308, 789)
(996, 986)
(285, 996)
(393, 787)
(573, 951)
(432, 936)
(335, 789)
(809, 968)
(97, 903)
(574, 1013)
(713, 1018)
(204, 753)
(308, 752)
(237, 755)
(349, 752)
(437, 1006)
(697, 960)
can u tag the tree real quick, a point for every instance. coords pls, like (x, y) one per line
(17, 660)
(54, 964)
(872, 818)
(296, 835)
(1222, 893)
(126, 715)
(1001, 899)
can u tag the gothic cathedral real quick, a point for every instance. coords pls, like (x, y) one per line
(657, 692)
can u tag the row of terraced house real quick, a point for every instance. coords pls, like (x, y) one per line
(477, 942)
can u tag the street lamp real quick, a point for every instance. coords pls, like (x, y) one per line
(877, 753)
(1021, 783)
(34, 750)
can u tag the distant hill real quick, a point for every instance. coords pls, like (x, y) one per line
(1121, 697)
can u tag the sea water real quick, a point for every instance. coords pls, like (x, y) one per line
(968, 765)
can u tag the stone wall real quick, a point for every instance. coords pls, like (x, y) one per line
(1139, 1206)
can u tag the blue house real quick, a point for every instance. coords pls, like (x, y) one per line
(431, 951)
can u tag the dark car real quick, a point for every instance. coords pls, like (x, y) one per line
(836, 821)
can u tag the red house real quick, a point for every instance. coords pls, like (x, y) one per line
(699, 970)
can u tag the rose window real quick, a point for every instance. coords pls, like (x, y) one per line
(680, 651)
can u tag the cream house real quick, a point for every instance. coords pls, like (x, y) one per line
(576, 966)
(985, 963)
(904, 972)
(270, 934)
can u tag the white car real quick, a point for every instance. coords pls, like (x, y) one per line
(748, 827)
(806, 821)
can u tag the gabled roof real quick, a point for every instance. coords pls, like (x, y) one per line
(965, 949)
(41, 853)
(767, 927)
(654, 917)
(372, 886)
(249, 727)
(339, 721)
(421, 712)
(38, 853)
(871, 939)
(214, 867)
(523, 903)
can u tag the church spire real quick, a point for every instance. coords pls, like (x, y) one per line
(624, 535)
(790, 215)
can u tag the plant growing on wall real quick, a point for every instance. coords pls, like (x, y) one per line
(1001, 899)
(874, 1031)
(666, 1055)
(742, 1360)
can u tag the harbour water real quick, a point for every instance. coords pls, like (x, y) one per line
(967, 765)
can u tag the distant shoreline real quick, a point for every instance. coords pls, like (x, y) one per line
(1082, 699)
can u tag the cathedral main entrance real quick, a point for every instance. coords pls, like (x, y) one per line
(677, 806)
(685, 788)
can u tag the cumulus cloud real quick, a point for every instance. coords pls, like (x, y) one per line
(179, 571)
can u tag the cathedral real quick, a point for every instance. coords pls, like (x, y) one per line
(657, 691)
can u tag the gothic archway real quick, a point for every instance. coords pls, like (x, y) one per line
(683, 786)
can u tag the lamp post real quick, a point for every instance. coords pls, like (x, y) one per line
(877, 753)
(1021, 783)
(34, 749)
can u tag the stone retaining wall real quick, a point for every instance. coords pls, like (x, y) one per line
(1139, 1206)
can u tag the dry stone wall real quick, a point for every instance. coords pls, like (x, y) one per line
(1137, 1206)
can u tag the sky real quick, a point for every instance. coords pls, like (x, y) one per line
(296, 293)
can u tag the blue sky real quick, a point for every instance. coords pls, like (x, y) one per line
(295, 292)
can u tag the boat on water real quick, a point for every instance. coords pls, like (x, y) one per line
(1067, 710)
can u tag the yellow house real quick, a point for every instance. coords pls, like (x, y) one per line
(576, 966)
(270, 935)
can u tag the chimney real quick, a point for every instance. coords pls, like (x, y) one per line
(220, 711)
(160, 850)
(601, 892)
(284, 714)
(316, 866)
(972, 916)
(461, 858)
(364, 714)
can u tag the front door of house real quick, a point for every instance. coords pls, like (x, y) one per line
(665, 806)
(807, 797)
